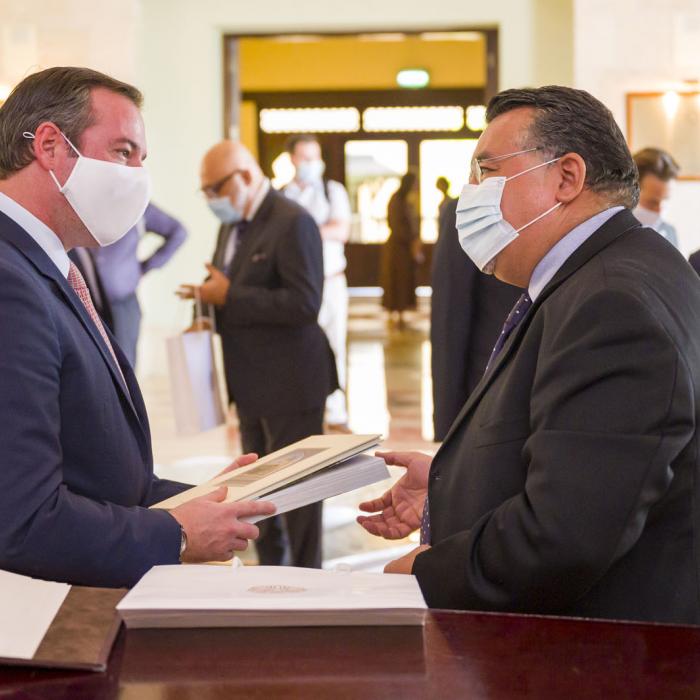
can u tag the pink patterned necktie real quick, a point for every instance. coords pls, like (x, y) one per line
(77, 282)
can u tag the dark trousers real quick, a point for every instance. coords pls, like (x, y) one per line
(294, 537)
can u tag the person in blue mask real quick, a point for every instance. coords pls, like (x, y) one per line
(567, 484)
(265, 285)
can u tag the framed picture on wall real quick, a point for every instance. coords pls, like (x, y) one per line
(670, 121)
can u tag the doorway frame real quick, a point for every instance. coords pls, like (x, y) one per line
(230, 54)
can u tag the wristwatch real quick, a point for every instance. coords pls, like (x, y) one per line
(183, 541)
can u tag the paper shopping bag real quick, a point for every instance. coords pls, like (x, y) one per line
(194, 382)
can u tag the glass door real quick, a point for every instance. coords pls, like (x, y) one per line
(448, 158)
(373, 171)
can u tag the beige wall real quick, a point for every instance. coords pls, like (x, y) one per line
(630, 46)
(37, 34)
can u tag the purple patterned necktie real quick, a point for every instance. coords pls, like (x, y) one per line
(517, 313)
(425, 524)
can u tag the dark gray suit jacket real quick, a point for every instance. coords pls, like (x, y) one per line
(276, 357)
(569, 482)
(467, 312)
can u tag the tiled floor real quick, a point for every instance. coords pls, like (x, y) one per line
(389, 392)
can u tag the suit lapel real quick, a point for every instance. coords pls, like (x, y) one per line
(221, 243)
(611, 230)
(21, 240)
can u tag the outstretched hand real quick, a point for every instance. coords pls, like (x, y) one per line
(399, 511)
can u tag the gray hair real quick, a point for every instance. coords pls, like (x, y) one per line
(573, 121)
(59, 95)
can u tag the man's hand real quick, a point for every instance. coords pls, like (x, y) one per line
(212, 291)
(241, 461)
(404, 565)
(200, 324)
(214, 531)
(402, 505)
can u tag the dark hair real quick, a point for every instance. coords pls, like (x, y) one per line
(573, 121)
(291, 143)
(59, 95)
(654, 161)
(442, 183)
(408, 182)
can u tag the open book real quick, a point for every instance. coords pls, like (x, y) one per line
(282, 468)
(270, 596)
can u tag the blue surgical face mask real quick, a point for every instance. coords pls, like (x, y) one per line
(482, 230)
(309, 171)
(224, 210)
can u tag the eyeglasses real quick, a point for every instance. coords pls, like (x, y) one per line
(215, 188)
(476, 172)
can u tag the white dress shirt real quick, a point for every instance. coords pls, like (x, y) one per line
(335, 207)
(45, 238)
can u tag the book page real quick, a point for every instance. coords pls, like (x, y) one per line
(279, 468)
(27, 609)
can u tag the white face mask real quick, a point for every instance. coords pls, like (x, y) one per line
(109, 198)
(309, 171)
(482, 230)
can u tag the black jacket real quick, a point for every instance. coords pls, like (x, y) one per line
(276, 357)
(468, 309)
(569, 482)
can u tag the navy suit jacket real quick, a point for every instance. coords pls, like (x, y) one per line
(76, 466)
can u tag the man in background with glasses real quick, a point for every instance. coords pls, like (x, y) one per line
(265, 285)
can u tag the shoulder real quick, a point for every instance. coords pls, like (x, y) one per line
(282, 207)
(336, 188)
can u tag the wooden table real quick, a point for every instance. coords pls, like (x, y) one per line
(456, 655)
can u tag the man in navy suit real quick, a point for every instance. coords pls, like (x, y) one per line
(76, 466)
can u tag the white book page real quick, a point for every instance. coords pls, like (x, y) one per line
(207, 587)
(27, 609)
(347, 476)
(279, 468)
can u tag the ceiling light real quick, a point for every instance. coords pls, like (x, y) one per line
(413, 78)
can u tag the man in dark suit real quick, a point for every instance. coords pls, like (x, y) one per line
(569, 482)
(462, 333)
(266, 283)
(76, 466)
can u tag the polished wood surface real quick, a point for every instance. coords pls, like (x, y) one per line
(456, 655)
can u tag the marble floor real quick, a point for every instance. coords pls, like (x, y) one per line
(389, 392)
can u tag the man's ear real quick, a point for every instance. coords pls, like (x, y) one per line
(247, 177)
(48, 145)
(572, 169)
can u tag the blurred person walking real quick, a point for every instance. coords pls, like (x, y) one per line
(402, 250)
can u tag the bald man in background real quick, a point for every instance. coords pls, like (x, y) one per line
(265, 284)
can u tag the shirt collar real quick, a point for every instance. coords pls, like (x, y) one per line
(564, 249)
(45, 238)
(263, 189)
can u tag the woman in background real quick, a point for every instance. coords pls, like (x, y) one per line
(402, 250)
